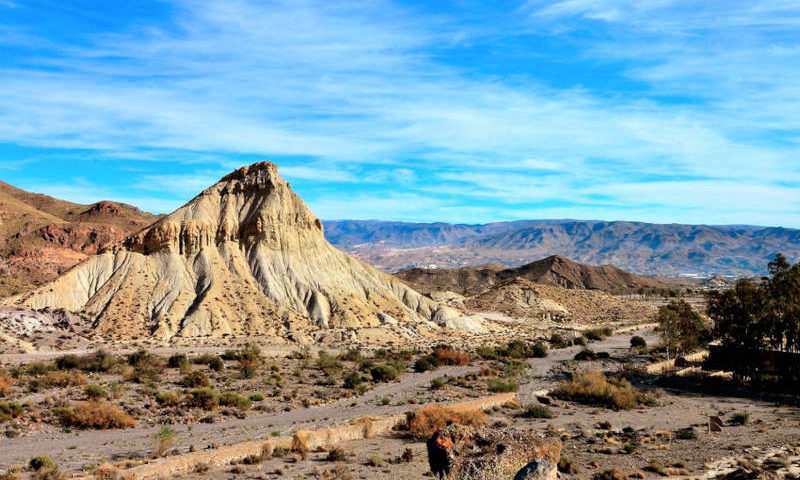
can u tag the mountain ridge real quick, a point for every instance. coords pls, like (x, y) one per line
(554, 271)
(640, 247)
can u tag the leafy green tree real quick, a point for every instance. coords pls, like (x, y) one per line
(682, 329)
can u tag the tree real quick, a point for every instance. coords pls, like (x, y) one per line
(682, 329)
(759, 326)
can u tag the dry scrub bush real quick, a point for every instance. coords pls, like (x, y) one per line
(14, 472)
(448, 356)
(593, 388)
(266, 451)
(6, 383)
(106, 471)
(425, 421)
(57, 379)
(300, 441)
(98, 414)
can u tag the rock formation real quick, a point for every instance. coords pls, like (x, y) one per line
(42, 237)
(553, 270)
(244, 257)
(457, 452)
(523, 299)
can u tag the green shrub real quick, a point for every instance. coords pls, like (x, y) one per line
(195, 379)
(163, 440)
(596, 334)
(559, 341)
(586, 354)
(629, 448)
(98, 361)
(204, 398)
(740, 418)
(214, 362)
(167, 399)
(249, 360)
(386, 401)
(256, 397)
(352, 380)
(233, 399)
(68, 362)
(498, 385)
(37, 368)
(515, 349)
(42, 463)
(487, 353)
(515, 368)
(426, 363)
(328, 363)
(437, 383)
(638, 342)
(177, 360)
(580, 341)
(9, 410)
(94, 391)
(536, 410)
(384, 373)
(143, 358)
(539, 350)
(352, 355)
(686, 434)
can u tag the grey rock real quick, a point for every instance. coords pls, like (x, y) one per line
(538, 470)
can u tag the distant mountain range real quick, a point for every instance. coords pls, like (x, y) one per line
(643, 248)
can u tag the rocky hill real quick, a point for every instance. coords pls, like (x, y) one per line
(244, 257)
(643, 248)
(42, 237)
(554, 270)
(520, 298)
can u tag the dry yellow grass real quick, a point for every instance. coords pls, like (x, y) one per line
(424, 422)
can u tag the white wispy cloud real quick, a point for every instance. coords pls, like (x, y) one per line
(357, 93)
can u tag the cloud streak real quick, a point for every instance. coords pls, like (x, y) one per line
(376, 96)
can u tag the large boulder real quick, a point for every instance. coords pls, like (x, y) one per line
(538, 470)
(457, 452)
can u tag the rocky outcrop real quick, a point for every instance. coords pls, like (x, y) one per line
(83, 237)
(244, 257)
(538, 470)
(459, 452)
(554, 270)
(523, 299)
(42, 237)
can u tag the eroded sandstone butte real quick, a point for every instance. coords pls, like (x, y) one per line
(244, 257)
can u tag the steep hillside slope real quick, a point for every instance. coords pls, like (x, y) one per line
(522, 299)
(554, 270)
(41, 237)
(245, 257)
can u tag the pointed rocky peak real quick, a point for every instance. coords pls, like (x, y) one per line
(250, 205)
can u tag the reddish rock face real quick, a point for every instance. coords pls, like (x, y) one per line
(42, 237)
(104, 207)
(83, 237)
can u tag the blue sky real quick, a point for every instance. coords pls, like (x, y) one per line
(465, 111)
